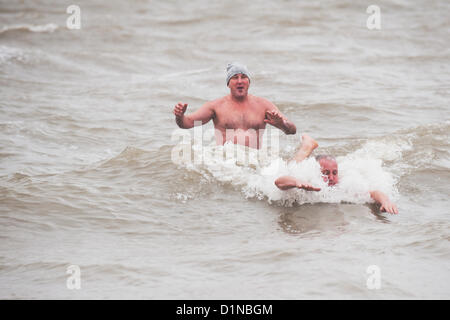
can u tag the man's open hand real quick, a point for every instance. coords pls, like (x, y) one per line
(387, 206)
(274, 118)
(180, 109)
(306, 186)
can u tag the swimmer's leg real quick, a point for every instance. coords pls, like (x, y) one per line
(307, 147)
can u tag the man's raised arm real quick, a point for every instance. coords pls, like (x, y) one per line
(204, 114)
(278, 120)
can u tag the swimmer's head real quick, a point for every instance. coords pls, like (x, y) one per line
(329, 168)
(236, 68)
(238, 80)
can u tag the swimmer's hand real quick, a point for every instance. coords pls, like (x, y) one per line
(180, 109)
(288, 182)
(306, 186)
(385, 204)
(274, 118)
(388, 207)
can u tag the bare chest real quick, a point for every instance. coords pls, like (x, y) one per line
(248, 117)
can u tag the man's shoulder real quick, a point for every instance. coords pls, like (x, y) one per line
(217, 102)
(261, 101)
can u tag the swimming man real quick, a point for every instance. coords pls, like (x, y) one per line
(329, 168)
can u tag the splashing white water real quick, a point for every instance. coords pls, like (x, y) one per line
(255, 171)
(49, 27)
(8, 53)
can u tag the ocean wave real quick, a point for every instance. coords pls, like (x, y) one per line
(146, 163)
(46, 28)
(12, 54)
(419, 148)
(376, 163)
(35, 56)
(128, 156)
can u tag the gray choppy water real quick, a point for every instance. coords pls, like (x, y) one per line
(86, 176)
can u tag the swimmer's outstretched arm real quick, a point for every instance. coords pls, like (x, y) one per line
(204, 114)
(288, 182)
(382, 199)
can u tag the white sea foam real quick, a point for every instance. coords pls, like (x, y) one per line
(49, 27)
(254, 172)
(9, 53)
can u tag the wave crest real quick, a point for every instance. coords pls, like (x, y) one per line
(49, 27)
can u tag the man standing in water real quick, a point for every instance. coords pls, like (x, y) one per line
(238, 117)
(329, 168)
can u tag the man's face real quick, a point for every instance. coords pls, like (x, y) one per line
(238, 85)
(329, 170)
